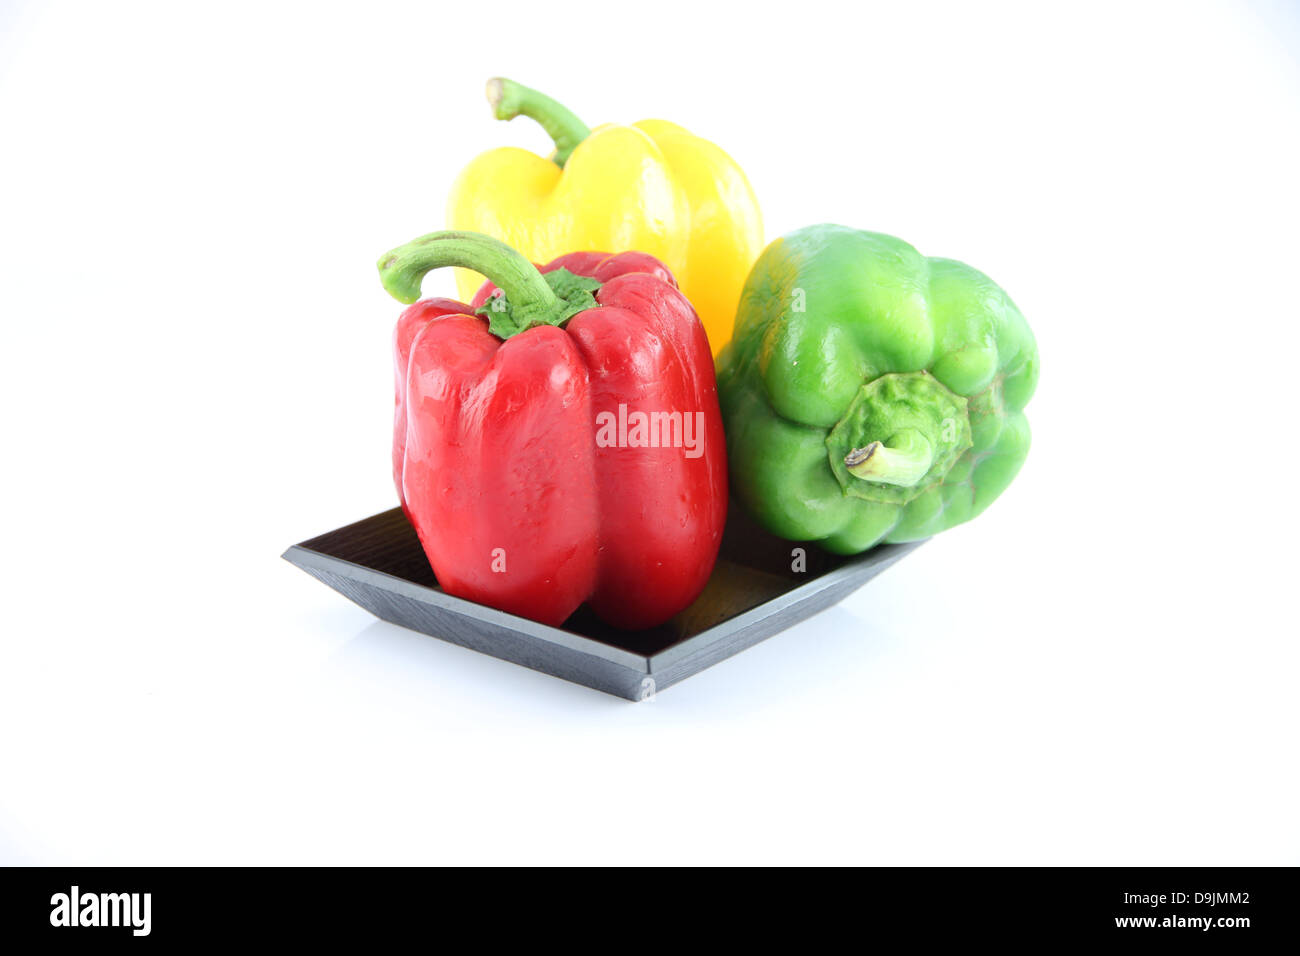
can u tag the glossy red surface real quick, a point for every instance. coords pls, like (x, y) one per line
(496, 458)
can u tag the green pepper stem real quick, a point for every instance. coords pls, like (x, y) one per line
(403, 269)
(904, 460)
(510, 99)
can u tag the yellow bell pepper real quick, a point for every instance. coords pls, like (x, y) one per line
(652, 187)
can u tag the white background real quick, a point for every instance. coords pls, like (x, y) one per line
(1100, 670)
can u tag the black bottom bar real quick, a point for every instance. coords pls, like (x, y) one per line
(1227, 908)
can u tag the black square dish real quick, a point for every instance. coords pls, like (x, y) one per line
(753, 593)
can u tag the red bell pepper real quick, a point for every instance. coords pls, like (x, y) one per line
(559, 440)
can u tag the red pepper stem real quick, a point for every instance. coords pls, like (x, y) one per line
(403, 269)
(510, 99)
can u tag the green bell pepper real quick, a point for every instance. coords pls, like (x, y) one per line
(871, 393)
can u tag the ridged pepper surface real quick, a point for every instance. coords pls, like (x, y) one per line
(872, 393)
(651, 186)
(559, 441)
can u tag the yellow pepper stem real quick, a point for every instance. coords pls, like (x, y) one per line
(510, 99)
